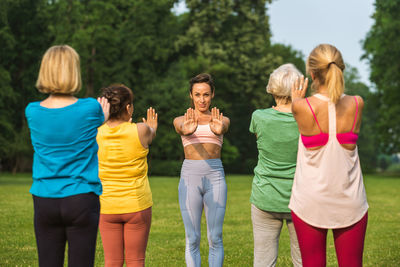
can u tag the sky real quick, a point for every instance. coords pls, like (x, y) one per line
(304, 24)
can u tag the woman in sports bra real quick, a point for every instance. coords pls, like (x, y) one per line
(202, 182)
(328, 190)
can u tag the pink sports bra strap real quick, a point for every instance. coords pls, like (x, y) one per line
(355, 118)
(315, 117)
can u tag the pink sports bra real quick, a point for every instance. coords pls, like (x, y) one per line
(203, 134)
(322, 138)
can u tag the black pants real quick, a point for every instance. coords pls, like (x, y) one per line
(74, 219)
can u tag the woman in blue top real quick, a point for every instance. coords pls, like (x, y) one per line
(65, 184)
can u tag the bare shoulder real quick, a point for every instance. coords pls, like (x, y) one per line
(360, 101)
(226, 123)
(143, 128)
(226, 120)
(299, 105)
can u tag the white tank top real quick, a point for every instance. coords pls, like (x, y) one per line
(328, 189)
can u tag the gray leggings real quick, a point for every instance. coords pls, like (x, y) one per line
(266, 230)
(202, 184)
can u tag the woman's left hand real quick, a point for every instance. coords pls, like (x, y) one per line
(216, 123)
(105, 106)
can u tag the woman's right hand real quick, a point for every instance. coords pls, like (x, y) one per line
(299, 88)
(189, 124)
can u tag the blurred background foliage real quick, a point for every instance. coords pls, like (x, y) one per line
(147, 46)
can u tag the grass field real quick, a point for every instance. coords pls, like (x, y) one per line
(166, 244)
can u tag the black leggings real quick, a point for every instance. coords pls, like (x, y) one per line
(74, 219)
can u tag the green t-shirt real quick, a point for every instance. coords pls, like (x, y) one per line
(277, 140)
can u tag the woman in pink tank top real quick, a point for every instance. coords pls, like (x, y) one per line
(202, 183)
(328, 190)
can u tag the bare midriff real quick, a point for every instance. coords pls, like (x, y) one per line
(202, 151)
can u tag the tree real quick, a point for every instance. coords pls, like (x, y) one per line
(231, 40)
(7, 95)
(144, 45)
(23, 34)
(382, 50)
(119, 41)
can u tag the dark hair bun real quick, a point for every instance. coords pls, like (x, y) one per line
(119, 96)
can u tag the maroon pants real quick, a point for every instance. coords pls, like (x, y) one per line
(127, 233)
(349, 243)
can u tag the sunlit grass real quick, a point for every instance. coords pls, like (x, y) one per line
(167, 239)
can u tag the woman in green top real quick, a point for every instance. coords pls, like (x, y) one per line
(277, 139)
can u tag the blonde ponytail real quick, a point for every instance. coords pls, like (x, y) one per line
(326, 64)
(335, 82)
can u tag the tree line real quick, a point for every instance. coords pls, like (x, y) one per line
(145, 45)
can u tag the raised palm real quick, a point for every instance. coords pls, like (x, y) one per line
(216, 123)
(299, 88)
(189, 122)
(152, 119)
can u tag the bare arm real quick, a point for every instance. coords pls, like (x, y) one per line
(148, 128)
(299, 89)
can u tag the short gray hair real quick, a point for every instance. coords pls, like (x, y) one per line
(281, 80)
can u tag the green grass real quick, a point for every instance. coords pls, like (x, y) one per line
(166, 243)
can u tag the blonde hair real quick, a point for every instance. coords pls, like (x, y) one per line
(326, 64)
(60, 71)
(281, 80)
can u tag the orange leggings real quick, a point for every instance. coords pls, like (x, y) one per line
(129, 232)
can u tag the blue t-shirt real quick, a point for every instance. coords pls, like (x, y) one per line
(64, 140)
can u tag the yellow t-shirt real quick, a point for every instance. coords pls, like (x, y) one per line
(123, 170)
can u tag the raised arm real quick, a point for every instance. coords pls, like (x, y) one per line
(186, 124)
(218, 124)
(148, 128)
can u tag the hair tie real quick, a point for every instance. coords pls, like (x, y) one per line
(333, 62)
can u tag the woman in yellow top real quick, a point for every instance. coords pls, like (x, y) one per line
(125, 213)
